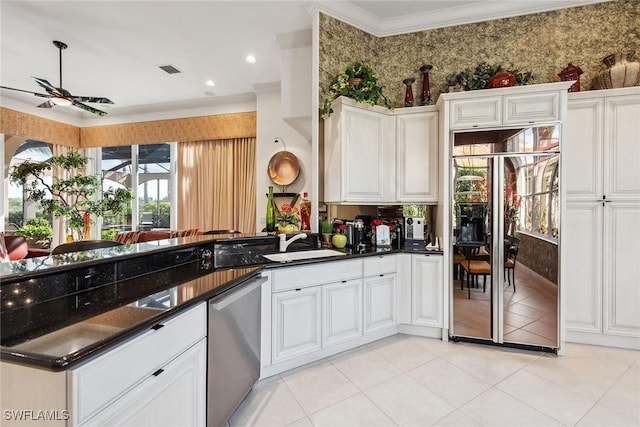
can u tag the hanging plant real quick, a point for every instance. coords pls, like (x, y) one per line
(356, 80)
(478, 77)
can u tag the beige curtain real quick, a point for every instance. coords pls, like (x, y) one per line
(217, 185)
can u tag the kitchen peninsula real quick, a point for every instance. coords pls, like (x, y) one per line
(100, 329)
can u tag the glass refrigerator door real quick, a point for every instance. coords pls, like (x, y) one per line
(505, 239)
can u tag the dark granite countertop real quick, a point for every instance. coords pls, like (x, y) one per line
(59, 310)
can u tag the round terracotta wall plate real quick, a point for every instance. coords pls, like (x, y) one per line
(283, 168)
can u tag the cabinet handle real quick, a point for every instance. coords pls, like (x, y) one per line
(382, 275)
(298, 289)
(475, 126)
(344, 281)
(157, 326)
(158, 372)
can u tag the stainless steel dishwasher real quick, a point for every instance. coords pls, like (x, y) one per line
(233, 349)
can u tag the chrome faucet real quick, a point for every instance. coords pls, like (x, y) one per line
(284, 242)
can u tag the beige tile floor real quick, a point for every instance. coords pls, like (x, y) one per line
(414, 381)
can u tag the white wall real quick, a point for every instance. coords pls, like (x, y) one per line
(269, 126)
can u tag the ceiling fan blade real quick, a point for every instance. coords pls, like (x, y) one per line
(46, 104)
(98, 100)
(45, 84)
(88, 108)
(42, 95)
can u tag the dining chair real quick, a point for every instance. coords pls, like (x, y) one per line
(510, 255)
(475, 265)
(84, 245)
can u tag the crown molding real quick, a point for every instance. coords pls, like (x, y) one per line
(451, 16)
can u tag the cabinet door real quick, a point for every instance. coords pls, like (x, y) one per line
(295, 322)
(379, 302)
(173, 395)
(621, 269)
(529, 109)
(582, 148)
(342, 312)
(427, 289)
(369, 156)
(475, 113)
(582, 266)
(417, 157)
(622, 150)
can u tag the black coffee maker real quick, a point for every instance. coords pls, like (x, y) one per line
(360, 234)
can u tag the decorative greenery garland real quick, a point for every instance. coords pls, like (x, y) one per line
(478, 77)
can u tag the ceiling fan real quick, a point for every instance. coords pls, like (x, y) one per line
(61, 96)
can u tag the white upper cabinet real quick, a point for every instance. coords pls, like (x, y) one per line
(622, 148)
(602, 145)
(520, 105)
(529, 109)
(476, 113)
(373, 155)
(417, 155)
(582, 149)
(359, 154)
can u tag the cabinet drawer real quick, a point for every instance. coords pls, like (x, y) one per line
(529, 109)
(381, 264)
(93, 385)
(476, 113)
(315, 274)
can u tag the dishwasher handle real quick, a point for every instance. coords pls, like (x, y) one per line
(234, 295)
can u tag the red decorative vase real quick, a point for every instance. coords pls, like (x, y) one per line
(408, 95)
(426, 88)
(502, 78)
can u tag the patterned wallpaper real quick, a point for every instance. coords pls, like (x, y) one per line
(222, 126)
(544, 43)
(34, 127)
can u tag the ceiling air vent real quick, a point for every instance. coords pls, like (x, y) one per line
(169, 69)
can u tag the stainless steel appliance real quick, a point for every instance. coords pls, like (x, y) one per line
(233, 349)
(505, 236)
(414, 228)
(360, 234)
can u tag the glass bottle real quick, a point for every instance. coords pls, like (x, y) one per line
(305, 212)
(408, 96)
(271, 212)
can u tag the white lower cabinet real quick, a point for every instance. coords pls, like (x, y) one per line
(171, 396)
(354, 305)
(380, 302)
(296, 317)
(157, 378)
(426, 290)
(342, 312)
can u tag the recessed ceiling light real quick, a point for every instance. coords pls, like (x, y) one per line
(210, 83)
(250, 59)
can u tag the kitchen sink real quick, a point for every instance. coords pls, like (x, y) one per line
(296, 256)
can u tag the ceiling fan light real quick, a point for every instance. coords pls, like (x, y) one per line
(60, 101)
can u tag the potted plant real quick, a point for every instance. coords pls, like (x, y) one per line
(288, 219)
(37, 232)
(358, 81)
(479, 76)
(72, 198)
(327, 229)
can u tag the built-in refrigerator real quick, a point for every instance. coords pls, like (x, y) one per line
(505, 191)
